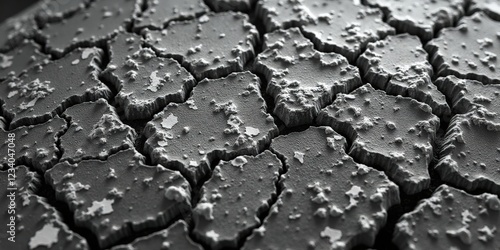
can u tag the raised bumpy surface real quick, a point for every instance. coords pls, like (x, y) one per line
(250, 124)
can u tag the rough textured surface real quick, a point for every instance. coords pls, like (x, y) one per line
(95, 132)
(472, 96)
(37, 224)
(174, 237)
(49, 11)
(145, 83)
(222, 119)
(422, 18)
(103, 20)
(490, 7)
(108, 197)
(231, 5)
(17, 28)
(34, 145)
(398, 65)
(45, 91)
(301, 80)
(20, 59)
(468, 50)
(451, 219)
(211, 47)
(470, 155)
(328, 200)
(233, 199)
(385, 135)
(160, 12)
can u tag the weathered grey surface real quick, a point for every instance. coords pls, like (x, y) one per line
(328, 200)
(395, 134)
(213, 46)
(160, 12)
(120, 196)
(57, 10)
(490, 7)
(20, 59)
(451, 219)
(222, 119)
(231, 5)
(469, 50)
(398, 65)
(302, 80)
(238, 192)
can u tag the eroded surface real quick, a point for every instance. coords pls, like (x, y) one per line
(422, 18)
(231, 5)
(15, 29)
(451, 219)
(238, 192)
(160, 12)
(212, 46)
(385, 135)
(146, 83)
(328, 200)
(34, 145)
(44, 91)
(103, 20)
(302, 80)
(473, 96)
(398, 64)
(471, 154)
(20, 59)
(37, 225)
(468, 50)
(57, 10)
(174, 237)
(490, 7)
(95, 132)
(223, 118)
(120, 196)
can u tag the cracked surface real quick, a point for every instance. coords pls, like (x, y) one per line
(145, 83)
(302, 80)
(468, 50)
(422, 18)
(49, 11)
(47, 90)
(398, 65)
(222, 119)
(328, 200)
(211, 47)
(160, 12)
(238, 192)
(384, 135)
(451, 219)
(490, 7)
(37, 224)
(20, 59)
(101, 21)
(17, 28)
(95, 132)
(231, 5)
(470, 155)
(107, 196)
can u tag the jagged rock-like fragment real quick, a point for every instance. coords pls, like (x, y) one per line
(174, 237)
(212, 46)
(145, 83)
(391, 132)
(302, 80)
(34, 145)
(120, 196)
(222, 119)
(398, 64)
(47, 90)
(95, 132)
(161, 12)
(231, 5)
(451, 219)
(20, 59)
(328, 200)
(333, 25)
(36, 224)
(470, 155)
(469, 50)
(490, 7)
(421, 18)
(101, 21)
(234, 198)
(473, 96)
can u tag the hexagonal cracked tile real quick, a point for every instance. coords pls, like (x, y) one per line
(302, 80)
(384, 135)
(328, 200)
(222, 119)
(159, 13)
